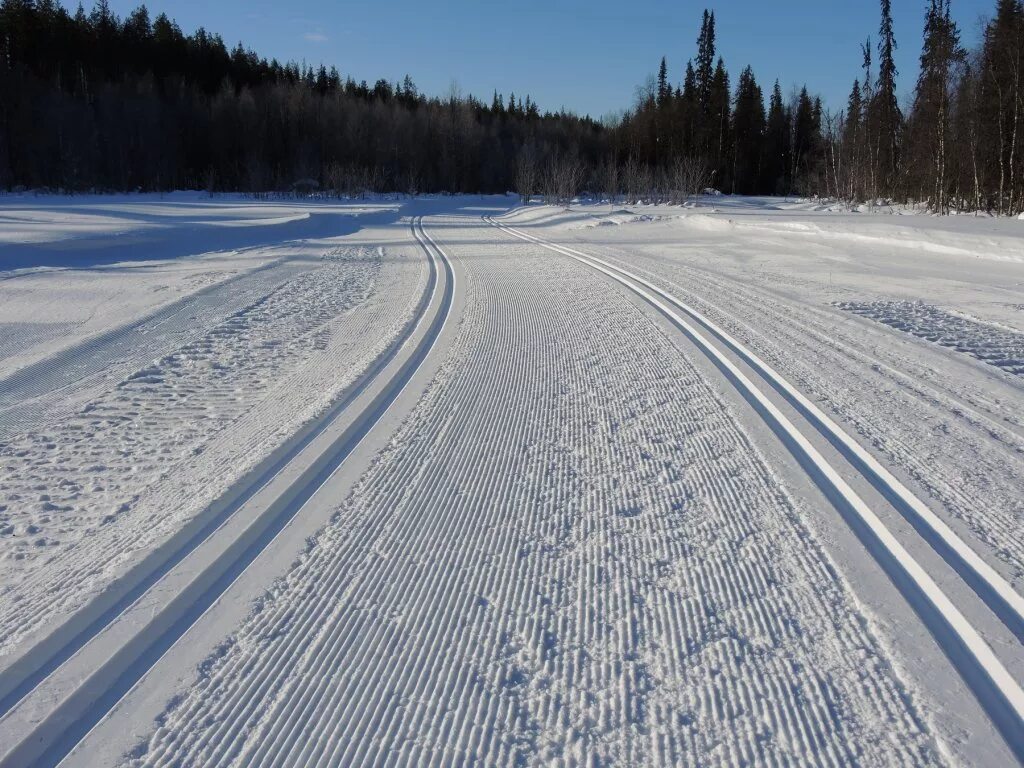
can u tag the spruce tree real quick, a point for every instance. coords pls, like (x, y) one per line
(718, 127)
(689, 109)
(888, 119)
(664, 88)
(806, 140)
(705, 62)
(775, 164)
(748, 124)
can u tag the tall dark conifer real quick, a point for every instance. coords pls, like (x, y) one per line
(664, 87)
(887, 117)
(718, 127)
(705, 66)
(689, 110)
(748, 124)
(775, 163)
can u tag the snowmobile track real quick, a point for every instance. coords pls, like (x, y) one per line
(996, 689)
(76, 681)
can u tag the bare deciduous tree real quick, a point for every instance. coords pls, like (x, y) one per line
(564, 179)
(526, 174)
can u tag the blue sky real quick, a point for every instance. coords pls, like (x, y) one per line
(585, 55)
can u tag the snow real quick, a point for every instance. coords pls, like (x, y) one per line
(112, 445)
(618, 484)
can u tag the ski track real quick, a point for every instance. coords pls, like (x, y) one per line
(918, 425)
(81, 498)
(569, 553)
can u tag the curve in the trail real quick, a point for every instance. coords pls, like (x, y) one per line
(75, 715)
(996, 689)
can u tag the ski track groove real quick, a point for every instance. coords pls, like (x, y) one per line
(58, 741)
(306, 356)
(996, 526)
(996, 689)
(515, 581)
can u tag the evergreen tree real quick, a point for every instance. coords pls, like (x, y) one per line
(748, 125)
(718, 126)
(806, 141)
(689, 110)
(531, 111)
(887, 122)
(664, 88)
(704, 71)
(775, 163)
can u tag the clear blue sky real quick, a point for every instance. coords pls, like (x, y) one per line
(585, 55)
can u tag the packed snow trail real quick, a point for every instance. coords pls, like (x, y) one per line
(570, 552)
(146, 460)
(90, 682)
(998, 691)
(952, 428)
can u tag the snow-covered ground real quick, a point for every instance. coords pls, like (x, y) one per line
(318, 482)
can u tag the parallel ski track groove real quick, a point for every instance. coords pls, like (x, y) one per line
(997, 691)
(383, 685)
(60, 742)
(135, 433)
(998, 528)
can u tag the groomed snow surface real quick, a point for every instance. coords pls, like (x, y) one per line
(447, 481)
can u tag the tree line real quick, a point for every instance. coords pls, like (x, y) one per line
(91, 101)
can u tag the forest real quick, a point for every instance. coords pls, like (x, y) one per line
(90, 101)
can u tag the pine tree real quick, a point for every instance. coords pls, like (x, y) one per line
(105, 26)
(966, 130)
(748, 124)
(531, 110)
(664, 88)
(718, 127)
(689, 109)
(887, 117)
(806, 140)
(775, 163)
(705, 62)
